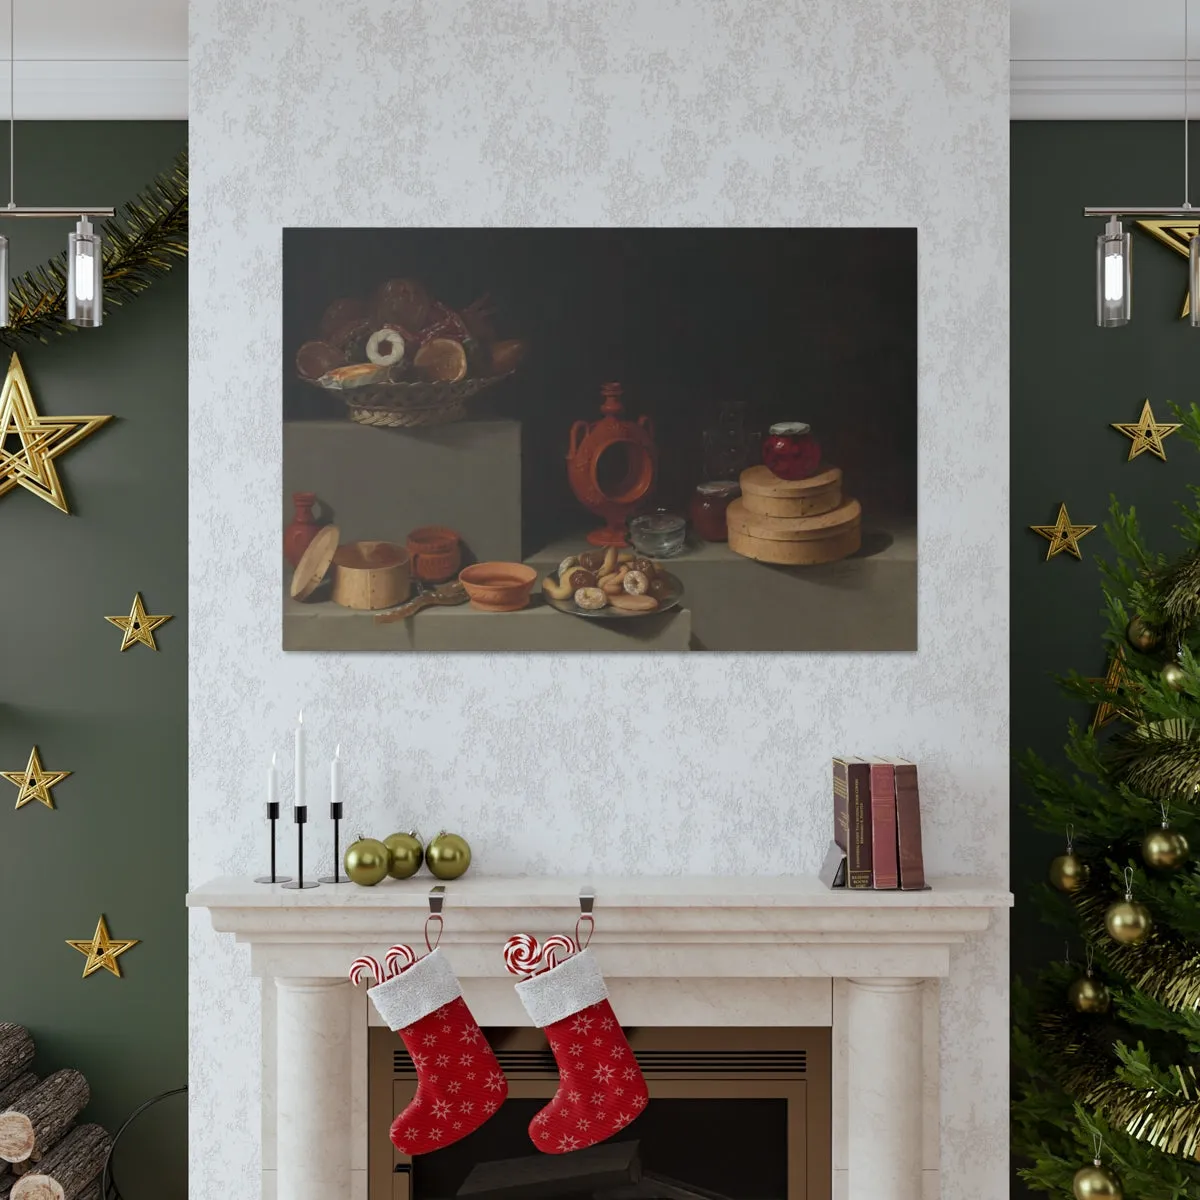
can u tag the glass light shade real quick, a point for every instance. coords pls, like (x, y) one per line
(85, 277)
(3, 280)
(1114, 275)
(1194, 280)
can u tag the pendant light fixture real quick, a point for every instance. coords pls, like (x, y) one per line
(1114, 247)
(85, 257)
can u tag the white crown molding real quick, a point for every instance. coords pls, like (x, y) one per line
(1101, 90)
(80, 90)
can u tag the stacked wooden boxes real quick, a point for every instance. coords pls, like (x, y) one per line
(798, 522)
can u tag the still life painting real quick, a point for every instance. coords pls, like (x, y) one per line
(599, 439)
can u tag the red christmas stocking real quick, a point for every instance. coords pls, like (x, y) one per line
(601, 1087)
(459, 1081)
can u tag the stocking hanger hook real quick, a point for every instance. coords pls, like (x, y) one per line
(587, 901)
(437, 899)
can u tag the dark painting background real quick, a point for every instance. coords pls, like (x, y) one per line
(818, 325)
(1070, 379)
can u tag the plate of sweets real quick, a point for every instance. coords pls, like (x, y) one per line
(611, 585)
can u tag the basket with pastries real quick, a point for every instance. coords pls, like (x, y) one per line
(402, 358)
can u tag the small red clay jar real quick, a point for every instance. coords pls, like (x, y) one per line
(790, 450)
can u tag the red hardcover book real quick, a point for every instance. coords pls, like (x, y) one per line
(884, 849)
(852, 817)
(908, 826)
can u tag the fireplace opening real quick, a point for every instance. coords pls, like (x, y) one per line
(734, 1114)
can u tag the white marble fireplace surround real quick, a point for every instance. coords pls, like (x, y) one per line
(736, 951)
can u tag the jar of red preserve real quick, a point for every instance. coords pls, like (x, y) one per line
(707, 510)
(791, 451)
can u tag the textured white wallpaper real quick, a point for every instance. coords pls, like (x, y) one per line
(620, 112)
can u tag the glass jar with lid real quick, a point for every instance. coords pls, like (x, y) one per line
(707, 509)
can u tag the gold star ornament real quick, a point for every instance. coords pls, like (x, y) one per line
(30, 442)
(1062, 535)
(102, 950)
(34, 783)
(139, 626)
(1146, 434)
(1114, 680)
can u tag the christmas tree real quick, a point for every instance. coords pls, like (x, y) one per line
(1106, 1047)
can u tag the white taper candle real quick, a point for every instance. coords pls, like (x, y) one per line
(300, 759)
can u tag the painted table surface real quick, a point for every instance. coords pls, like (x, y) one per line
(731, 604)
(676, 891)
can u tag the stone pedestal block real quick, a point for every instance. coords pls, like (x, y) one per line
(382, 483)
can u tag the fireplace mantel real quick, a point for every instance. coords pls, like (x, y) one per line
(770, 951)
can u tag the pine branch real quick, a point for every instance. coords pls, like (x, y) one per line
(141, 244)
(1160, 758)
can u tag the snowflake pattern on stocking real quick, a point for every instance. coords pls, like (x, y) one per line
(592, 1054)
(443, 1112)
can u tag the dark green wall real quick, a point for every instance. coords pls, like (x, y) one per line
(1070, 380)
(117, 842)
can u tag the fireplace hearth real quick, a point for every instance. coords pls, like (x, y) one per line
(732, 953)
(734, 1114)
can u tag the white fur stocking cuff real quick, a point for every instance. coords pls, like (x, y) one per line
(563, 991)
(428, 984)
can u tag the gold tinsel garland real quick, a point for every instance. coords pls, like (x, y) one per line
(145, 238)
(1168, 1121)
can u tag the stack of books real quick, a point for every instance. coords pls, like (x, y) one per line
(876, 826)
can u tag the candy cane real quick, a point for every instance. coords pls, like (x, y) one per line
(366, 962)
(398, 958)
(551, 947)
(521, 954)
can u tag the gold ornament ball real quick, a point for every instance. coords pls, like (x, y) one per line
(405, 854)
(1141, 636)
(1174, 676)
(1068, 872)
(1096, 1183)
(1127, 922)
(366, 861)
(448, 856)
(1166, 849)
(1088, 995)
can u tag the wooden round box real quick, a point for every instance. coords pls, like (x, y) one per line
(766, 495)
(369, 575)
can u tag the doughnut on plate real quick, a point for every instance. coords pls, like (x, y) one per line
(608, 613)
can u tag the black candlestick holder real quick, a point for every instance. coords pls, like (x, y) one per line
(335, 815)
(300, 813)
(272, 817)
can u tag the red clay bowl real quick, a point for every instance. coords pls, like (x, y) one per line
(498, 586)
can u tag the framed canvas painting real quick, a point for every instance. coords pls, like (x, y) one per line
(599, 439)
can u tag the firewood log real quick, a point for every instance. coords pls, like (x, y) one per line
(69, 1169)
(19, 1086)
(16, 1052)
(42, 1116)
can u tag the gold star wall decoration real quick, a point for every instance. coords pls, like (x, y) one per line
(34, 783)
(1147, 433)
(139, 626)
(30, 441)
(1062, 535)
(102, 950)
(1176, 234)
